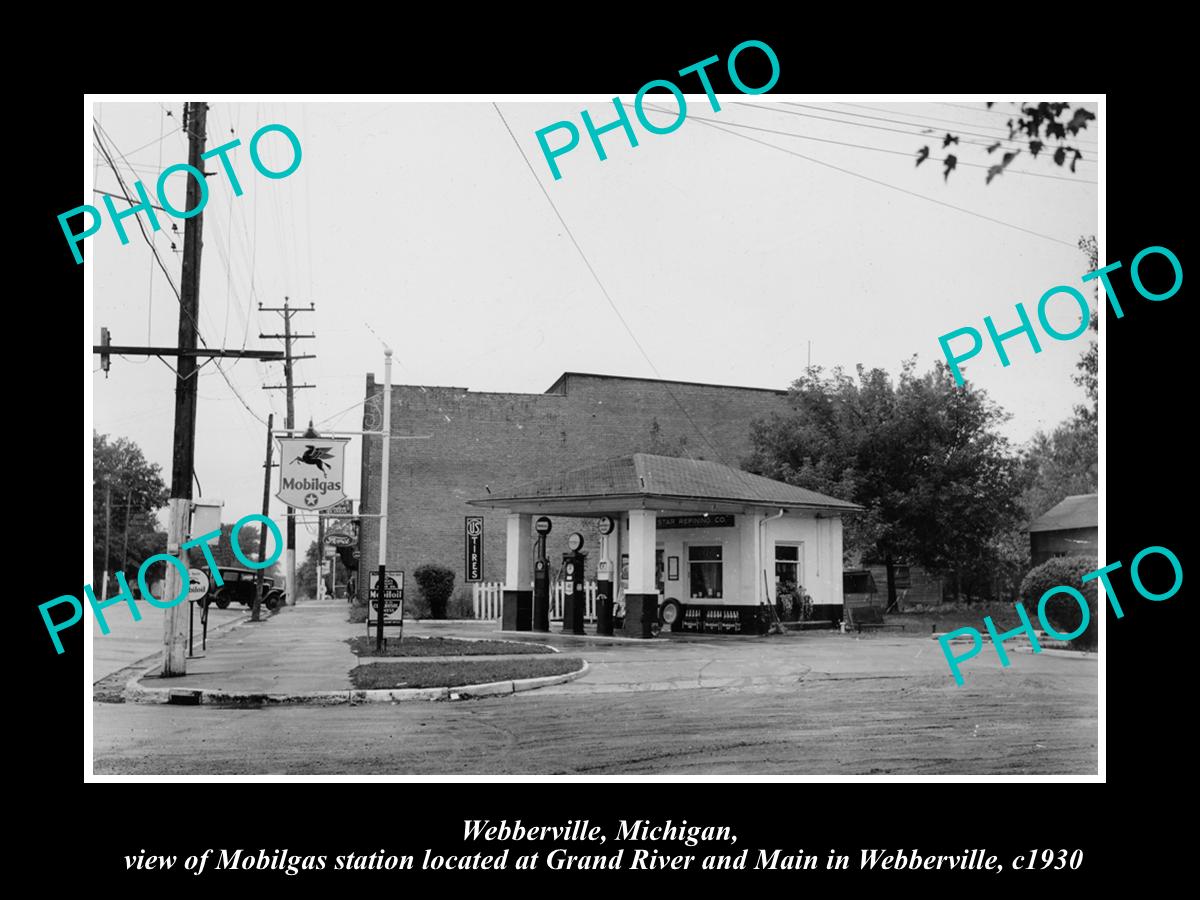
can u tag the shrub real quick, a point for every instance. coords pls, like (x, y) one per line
(415, 606)
(437, 584)
(461, 605)
(1062, 610)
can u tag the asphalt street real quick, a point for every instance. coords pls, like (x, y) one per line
(803, 704)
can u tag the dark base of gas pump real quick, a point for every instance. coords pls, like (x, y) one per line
(541, 605)
(604, 608)
(573, 610)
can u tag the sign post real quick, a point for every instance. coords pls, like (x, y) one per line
(385, 593)
(197, 591)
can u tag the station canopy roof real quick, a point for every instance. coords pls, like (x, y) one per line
(664, 483)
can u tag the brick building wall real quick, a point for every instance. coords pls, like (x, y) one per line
(482, 439)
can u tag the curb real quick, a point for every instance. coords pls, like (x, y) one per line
(1056, 651)
(139, 693)
(1047, 644)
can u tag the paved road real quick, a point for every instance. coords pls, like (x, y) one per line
(128, 641)
(811, 704)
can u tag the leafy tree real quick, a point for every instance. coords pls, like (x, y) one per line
(1088, 376)
(135, 491)
(222, 550)
(306, 572)
(921, 454)
(1033, 126)
(1066, 461)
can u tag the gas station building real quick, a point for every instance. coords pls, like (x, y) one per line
(678, 540)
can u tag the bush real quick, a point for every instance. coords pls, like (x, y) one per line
(1062, 610)
(415, 606)
(793, 604)
(461, 606)
(437, 584)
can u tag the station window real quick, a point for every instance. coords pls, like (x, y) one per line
(787, 565)
(705, 572)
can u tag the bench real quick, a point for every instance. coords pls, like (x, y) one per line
(869, 617)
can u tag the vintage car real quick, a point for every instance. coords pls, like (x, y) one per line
(239, 587)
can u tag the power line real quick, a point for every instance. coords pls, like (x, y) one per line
(154, 250)
(991, 112)
(158, 140)
(603, 289)
(959, 122)
(142, 228)
(917, 134)
(905, 153)
(914, 124)
(893, 187)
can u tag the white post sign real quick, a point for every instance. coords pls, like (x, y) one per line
(311, 472)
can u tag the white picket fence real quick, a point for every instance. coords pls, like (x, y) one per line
(487, 600)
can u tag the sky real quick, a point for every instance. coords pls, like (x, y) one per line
(419, 224)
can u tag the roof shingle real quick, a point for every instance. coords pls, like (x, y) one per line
(669, 476)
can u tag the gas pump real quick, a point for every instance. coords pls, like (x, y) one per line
(541, 578)
(605, 595)
(574, 600)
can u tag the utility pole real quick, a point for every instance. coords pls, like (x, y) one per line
(320, 554)
(383, 501)
(195, 118)
(262, 529)
(287, 311)
(107, 522)
(125, 539)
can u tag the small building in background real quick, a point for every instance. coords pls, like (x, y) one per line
(1069, 528)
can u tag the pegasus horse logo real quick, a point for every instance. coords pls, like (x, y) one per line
(315, 456)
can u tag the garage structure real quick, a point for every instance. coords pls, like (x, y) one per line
(1069, 528)
(693, 540)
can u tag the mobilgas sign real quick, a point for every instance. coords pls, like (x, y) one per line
(310, 471)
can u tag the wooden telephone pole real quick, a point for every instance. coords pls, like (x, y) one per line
(195, 118)
(262, 530)
(182, 460)
(287, 311)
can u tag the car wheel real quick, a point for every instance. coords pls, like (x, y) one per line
(272, 601)
(222, 600)
(669, 613)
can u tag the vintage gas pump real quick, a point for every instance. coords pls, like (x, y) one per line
(541, 578)
(604, 581)
(574, 600)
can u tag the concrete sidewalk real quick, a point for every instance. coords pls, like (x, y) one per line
(301, 649)
(301, 654)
